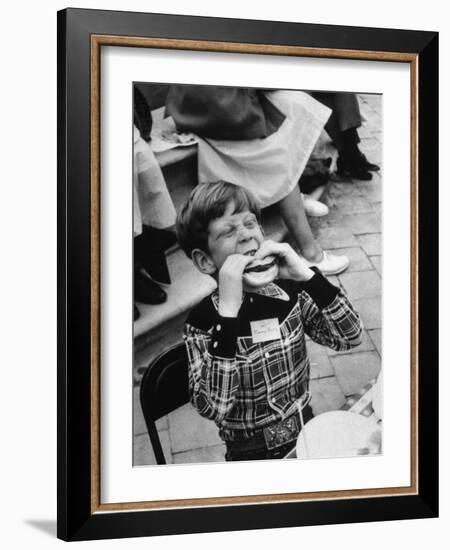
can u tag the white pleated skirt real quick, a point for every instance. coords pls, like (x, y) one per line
(268, 167)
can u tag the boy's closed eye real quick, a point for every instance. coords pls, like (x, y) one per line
(230, 230)
(227, 232)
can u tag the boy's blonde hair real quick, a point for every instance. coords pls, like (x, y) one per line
(207, 202)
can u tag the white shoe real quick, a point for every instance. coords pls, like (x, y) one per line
(331, 264)
(314, 208)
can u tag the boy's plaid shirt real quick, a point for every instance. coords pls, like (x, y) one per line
(245, 386)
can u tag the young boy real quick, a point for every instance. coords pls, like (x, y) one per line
(248, 366)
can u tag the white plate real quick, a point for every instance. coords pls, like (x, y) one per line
(377, 396)
(338, 434)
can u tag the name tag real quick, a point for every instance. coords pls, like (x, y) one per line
(265, 330)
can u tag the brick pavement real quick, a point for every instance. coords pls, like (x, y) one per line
(353, 227)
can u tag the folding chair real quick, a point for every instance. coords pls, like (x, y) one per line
(164, 388)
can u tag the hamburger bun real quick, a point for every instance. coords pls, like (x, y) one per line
(259, 273)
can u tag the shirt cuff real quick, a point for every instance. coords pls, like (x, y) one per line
(224, 337)
(320, 289)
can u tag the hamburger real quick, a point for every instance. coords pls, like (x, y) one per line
(261, 272)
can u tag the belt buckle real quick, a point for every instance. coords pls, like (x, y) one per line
(282, 433)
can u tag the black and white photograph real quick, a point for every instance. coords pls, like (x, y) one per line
(257, 274)
(221, 275)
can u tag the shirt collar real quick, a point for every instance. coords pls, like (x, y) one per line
(271, 291)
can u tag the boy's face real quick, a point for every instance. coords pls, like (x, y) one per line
(233, 233)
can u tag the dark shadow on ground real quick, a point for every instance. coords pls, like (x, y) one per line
(47, 526)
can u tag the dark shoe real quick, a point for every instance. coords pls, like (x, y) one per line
(155, 264)
(369, 165)
(149, 252)
(353, 166)
(156, 267)
(146, 290)
(136, 313)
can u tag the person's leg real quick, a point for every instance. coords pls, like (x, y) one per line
(345, 114)
(148, 261)
(342, 129)
(351, 161)
(346, 110)
(292, 211)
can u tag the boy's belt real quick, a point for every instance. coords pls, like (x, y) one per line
(283, 432)
(273, 436)
(277, 434)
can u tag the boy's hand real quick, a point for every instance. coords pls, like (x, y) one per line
(291, 265)
(230, 284)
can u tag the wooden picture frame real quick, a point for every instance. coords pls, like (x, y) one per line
(81, 35)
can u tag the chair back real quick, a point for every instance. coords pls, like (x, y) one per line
(164, 388)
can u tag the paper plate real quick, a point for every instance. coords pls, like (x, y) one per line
(377, 396)
(338, 434)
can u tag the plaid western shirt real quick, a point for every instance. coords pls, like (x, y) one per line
(245, 386)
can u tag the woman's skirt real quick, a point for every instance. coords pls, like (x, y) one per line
(268, 167)
(152, 204)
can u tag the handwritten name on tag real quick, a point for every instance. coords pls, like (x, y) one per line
(265, 330)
